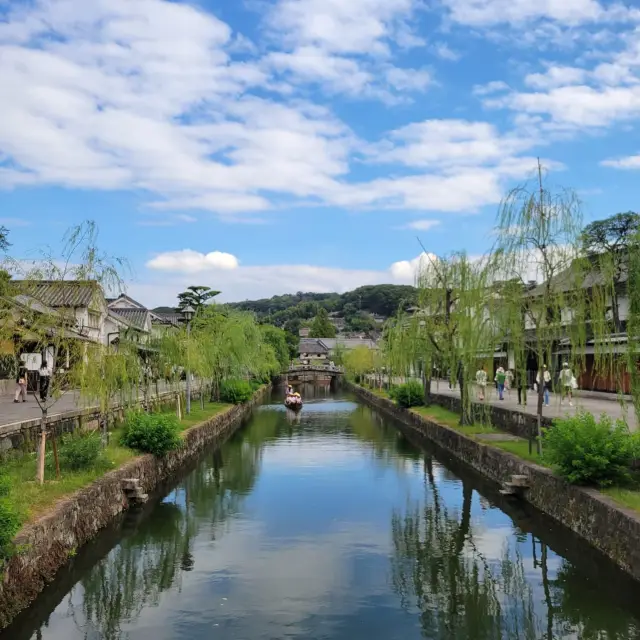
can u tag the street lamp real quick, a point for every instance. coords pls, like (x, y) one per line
(188, 313)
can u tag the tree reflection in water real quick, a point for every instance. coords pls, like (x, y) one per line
(152, 559)
(439, 569)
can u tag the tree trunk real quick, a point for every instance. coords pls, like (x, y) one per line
(541, 386)
(42, 447)
(465, 417)
(178, 407)
(426, 381)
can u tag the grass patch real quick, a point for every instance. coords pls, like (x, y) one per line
(199, 415)
(626, 497)
(452, 419)
(33, 499)
(520, 448)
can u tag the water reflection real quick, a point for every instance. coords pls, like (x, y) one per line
(331, 525)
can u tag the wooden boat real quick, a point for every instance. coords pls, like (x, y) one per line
(293, 402)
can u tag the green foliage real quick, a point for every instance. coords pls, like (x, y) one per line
(196, 296)
(277, 340)
(235, 391)
(288, 310)
(80, 451)
(409, 394)
(156, 433)
(10, 523)
(590, 452)
(321, 326)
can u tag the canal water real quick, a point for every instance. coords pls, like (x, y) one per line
(334, 524)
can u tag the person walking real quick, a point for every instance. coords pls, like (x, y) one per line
(546, 377)
(45, 379)
(501, 378)
(520, 382)
(481, 382)
(566, 383)
(508, 384)
(21, 382)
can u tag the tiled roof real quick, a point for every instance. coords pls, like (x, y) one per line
(171, 318)
(134, 317)
(313, 346)
(60, 294)
(349, 343)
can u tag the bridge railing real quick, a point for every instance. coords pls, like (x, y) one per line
(315, 367)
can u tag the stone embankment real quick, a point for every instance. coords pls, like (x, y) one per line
(612, 529)
(46, 545)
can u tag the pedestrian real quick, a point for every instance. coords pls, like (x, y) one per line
(501, 378)
(567, 381)
(481, 382)
(21, 382)
(45, 379)
(508, 384)
(546, 384)
(521, 386)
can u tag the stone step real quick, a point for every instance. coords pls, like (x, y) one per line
(520, 481)
(507, 492)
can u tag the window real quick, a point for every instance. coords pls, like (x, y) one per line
(94, 320)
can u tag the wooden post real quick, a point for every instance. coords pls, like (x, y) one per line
(178, 407)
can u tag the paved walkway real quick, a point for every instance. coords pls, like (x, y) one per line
(11, 413)
(611, 406)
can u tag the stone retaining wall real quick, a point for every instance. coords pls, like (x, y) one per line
(614, 530)
(46, 545)
(517, 423)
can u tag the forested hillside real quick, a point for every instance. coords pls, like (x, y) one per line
(355, 306)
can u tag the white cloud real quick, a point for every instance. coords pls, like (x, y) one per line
(422, 225)
(407, 270)
(188, 261)
(147, 95)
(445, 52)
(342, 27)
(484, 13)
(630, 162)
(239, 281)
(495, 86)
(446, 143)
(555, 77)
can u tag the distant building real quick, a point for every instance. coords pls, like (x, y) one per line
(313, 350)
(304, 332)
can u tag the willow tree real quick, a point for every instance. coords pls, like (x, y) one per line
(452, 325)
(39, 312)
(106, 374)
(552, 304)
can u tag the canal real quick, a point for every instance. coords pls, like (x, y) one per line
(334, 524)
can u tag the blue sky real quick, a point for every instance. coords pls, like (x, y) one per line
(271, 146)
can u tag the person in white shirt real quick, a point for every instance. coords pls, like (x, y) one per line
(481, 381)
(566, 383)
(547, 383)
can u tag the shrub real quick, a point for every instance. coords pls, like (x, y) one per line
(409, 394)
(587, 451)
(235, 391)
(80, 451)
(5, 485)
(10, 522)
(156, 433)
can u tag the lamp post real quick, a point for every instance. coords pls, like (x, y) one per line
(188, 313)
